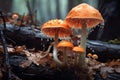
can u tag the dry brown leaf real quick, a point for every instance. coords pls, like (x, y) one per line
(26, 63)
(1, 75)
(11, 50)
(42, 61)
(113, 63)
(20, 48)
(1, 49)
(53, 64)
(104, 75)
(117, 70)
(91, 73)
(37, 59)
(105, 70)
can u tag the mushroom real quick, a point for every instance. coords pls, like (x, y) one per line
(89, 59)
(15, 16)
(65, 46)
(95, 56)
(57, 29)
(83, 17)
(77, 52)
(89, 55)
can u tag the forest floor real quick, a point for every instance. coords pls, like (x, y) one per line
(44, 59)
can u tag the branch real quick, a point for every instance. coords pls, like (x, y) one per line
(5, 48)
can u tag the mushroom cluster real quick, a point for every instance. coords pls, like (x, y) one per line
(65, 46)
(80, 17)
(57, 29)
(84, 17)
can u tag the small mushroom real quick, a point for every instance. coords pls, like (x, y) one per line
(89, 55)
(95, 56)
(57, 29)
(89, 59)
(15, 16)
(65, 46)
(78, 58)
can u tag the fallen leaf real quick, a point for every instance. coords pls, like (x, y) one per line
(42, 61)
(104, 75)
(20, 48)
(117, 70)
(25, 64)
(1, 75)
(113, 63)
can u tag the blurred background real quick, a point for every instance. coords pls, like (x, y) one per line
(45, 10)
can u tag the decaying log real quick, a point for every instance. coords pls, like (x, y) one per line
(104, 50)
(33, 38)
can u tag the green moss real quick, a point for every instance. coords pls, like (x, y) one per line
(114, 41)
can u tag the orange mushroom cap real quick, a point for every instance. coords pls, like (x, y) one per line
(77, 49)
(89, 55)
(85, 12)
(49, 28)
(95, 56)
(15, 15)
(65, 44)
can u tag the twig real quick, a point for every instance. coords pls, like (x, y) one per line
(5, 48)
(30, 11)
(15, 77)
(22, 20)
(1, 15)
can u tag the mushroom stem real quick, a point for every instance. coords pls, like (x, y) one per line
(78, 60)
(75, 59)
(83, 41)
(65, 57)
(47, 52)
(55, 57)
(81, 61)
